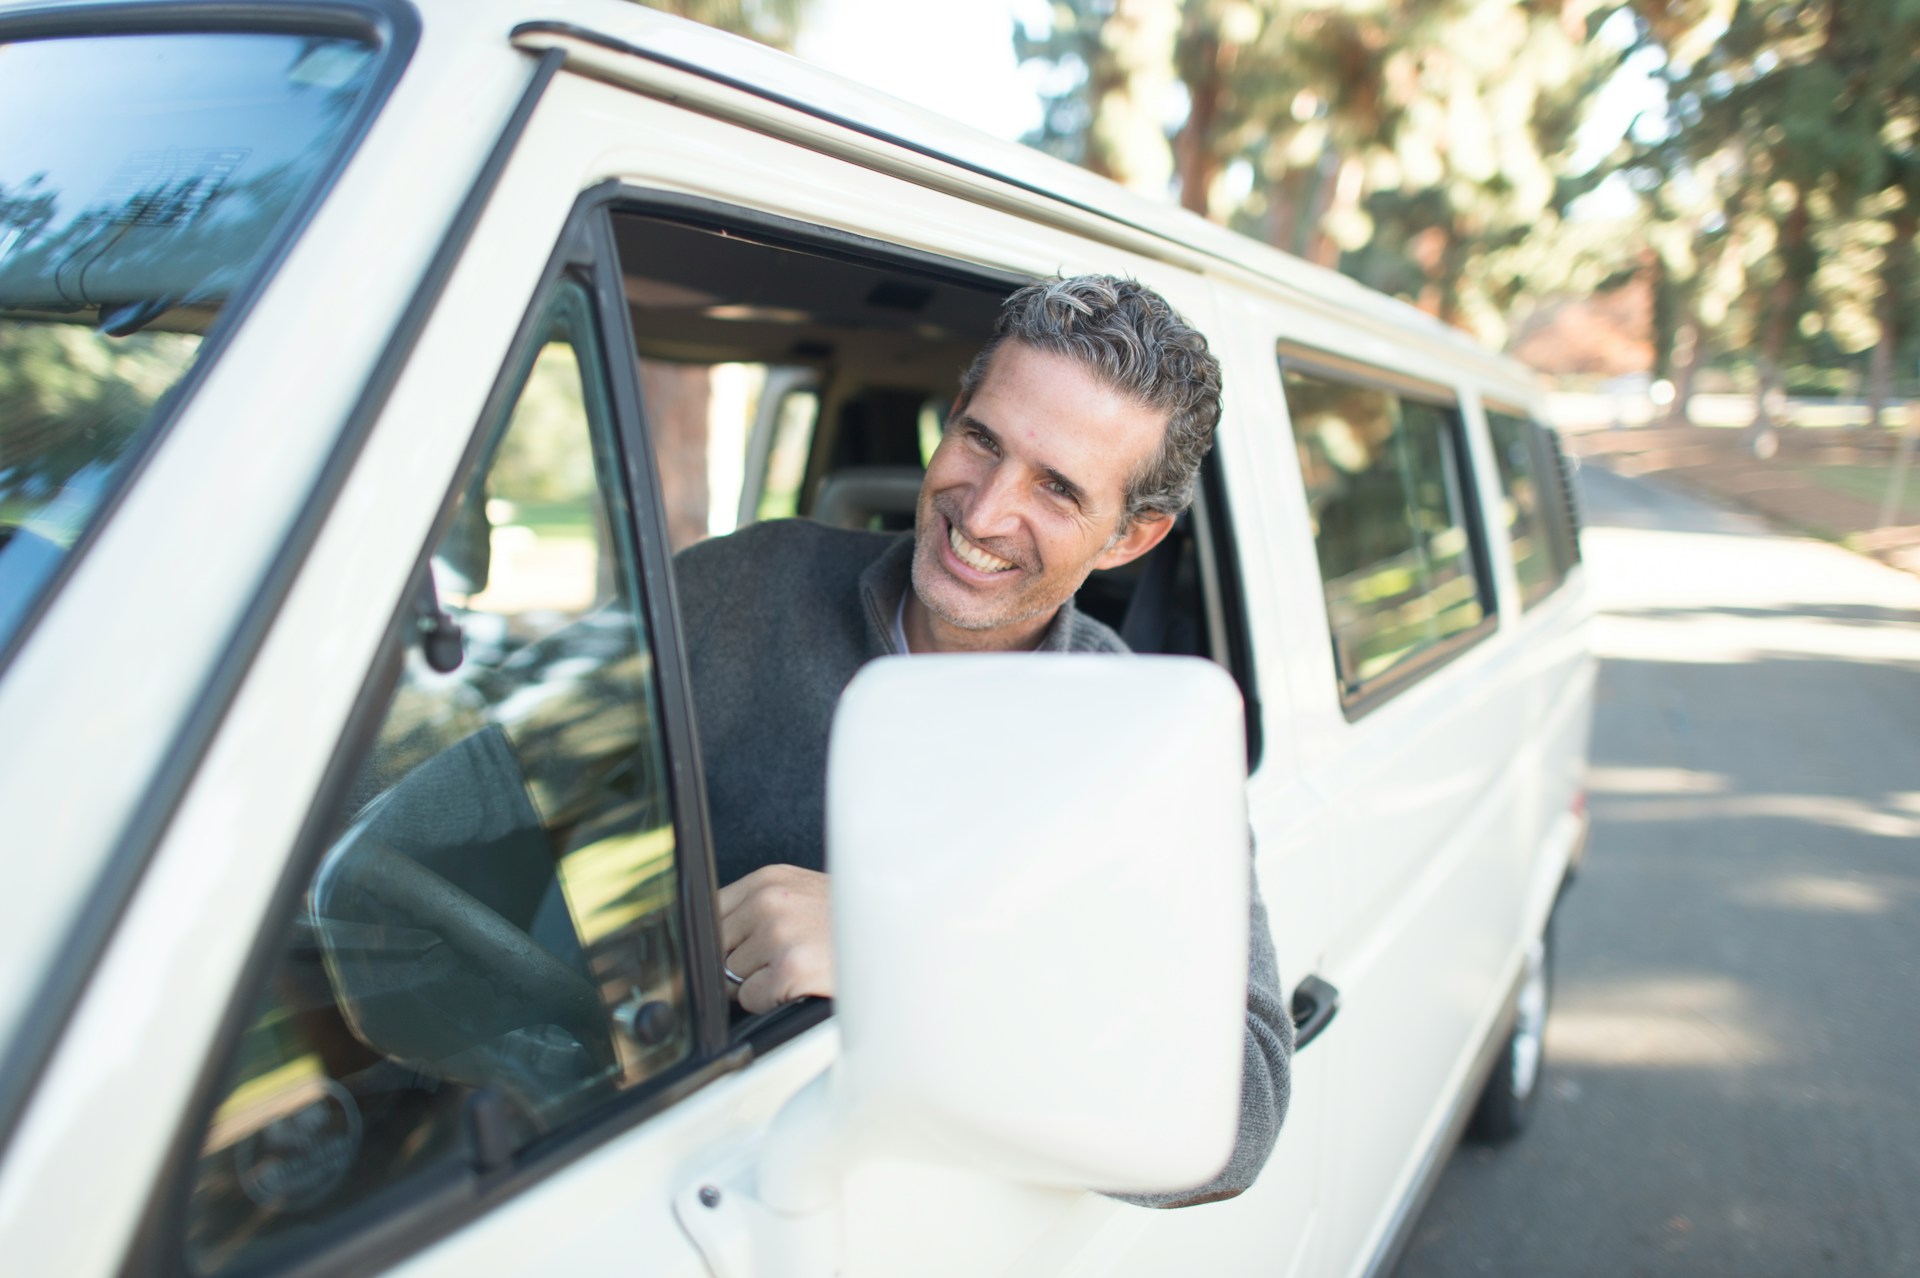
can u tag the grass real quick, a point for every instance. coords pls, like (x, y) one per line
(555, 519)
(1865, 483)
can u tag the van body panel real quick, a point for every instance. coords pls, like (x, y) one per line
(165, 982)
(267, 412)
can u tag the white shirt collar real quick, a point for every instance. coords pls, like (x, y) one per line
(900, 626)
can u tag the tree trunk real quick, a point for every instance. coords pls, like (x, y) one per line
(1783, 306)
(1880, 363)
(1129, 84)
(1342, 182)
(1895, 278)
(1195, 148)
(1289, 202)
(1666, 313)
(675, 399)
(1689, 353)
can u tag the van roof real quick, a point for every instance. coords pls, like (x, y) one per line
(620, 29)
(649, 45)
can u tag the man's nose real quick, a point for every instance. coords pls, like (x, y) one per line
(995, 508)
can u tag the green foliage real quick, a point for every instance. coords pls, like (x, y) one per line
(1428, 148)
(72, 403)
(1420, 145)
(545, 458)
(1781, 201)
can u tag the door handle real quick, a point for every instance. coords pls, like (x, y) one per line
(1315, 1003)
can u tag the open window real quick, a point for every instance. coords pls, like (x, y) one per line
(786, 372)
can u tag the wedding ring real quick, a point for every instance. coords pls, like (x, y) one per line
(732, 975)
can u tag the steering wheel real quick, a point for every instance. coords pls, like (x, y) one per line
(424, 971)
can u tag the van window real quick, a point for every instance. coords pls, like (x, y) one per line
(1527, 474)
(775, 378)
(1389, 493)
(1563, 496)
(830, 367)
(154, 178)
(492, 941)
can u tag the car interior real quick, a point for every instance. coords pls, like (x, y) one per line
(869, 345)
(485, 913)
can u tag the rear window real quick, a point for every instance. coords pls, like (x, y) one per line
(1541, 539)
(144, 181)
(1394, 525)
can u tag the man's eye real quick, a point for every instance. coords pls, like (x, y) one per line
(1060, 490)
(982, 440)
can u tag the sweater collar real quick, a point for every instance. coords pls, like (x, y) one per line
(884, 585)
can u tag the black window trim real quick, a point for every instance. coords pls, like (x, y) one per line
(401, 1221)
(1357, 701)
(395, 26)
(1216, 541)
(693, 843)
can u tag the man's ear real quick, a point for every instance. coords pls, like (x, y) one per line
(1142, 535)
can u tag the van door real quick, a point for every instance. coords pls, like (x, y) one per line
(456, 1006)
(1278, 1227)
(499, 954)
(873, 399)
(1411, 715)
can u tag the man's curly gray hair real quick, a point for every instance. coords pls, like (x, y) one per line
(1126, 335)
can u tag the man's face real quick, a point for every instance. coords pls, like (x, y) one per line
(1023, 499)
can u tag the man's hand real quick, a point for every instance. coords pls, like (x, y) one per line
(776, 930)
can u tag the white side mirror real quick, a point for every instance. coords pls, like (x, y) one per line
(1039, 870)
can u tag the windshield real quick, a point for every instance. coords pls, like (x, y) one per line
(142, 179)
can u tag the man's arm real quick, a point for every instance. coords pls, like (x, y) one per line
(1265, 1080)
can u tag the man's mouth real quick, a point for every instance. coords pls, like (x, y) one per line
(971, 555)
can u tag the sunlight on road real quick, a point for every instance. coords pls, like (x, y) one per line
(1602, 779)
(1818, 809)
(1729, 1085)
(1675, 1022)
(1813, 892)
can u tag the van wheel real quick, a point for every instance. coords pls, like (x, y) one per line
(1507, 1102)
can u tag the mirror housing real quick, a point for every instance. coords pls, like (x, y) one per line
(1040, 878)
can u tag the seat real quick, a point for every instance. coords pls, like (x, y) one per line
(855, 496)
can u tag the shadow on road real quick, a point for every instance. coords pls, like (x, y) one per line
(1732, 1056)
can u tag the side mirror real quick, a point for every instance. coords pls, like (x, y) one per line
(1040, 880)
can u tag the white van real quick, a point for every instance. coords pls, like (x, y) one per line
(363, 363)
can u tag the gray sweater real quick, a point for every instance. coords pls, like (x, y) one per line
(778, 617)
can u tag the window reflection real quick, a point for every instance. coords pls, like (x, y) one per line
(141, 179)
(495, 922)
(1524, 506)
(1383, 481)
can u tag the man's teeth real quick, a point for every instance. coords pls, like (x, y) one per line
(972, 555)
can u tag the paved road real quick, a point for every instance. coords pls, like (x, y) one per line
(1734, 1050)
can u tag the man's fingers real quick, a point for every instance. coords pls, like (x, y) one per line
(758, 995)
(776, 931)
(729, 897)
(786, 975)
(750, 955)
(770, 892)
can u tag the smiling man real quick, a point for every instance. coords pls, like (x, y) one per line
(1028, 492)
(1075, 441)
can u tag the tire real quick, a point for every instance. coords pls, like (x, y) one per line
(1508, 1099)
